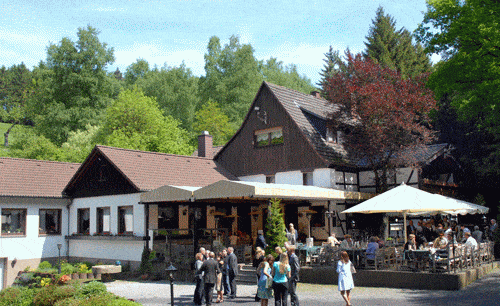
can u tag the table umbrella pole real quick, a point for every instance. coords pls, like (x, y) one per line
(404, 224)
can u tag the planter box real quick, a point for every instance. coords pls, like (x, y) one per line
(116, 238)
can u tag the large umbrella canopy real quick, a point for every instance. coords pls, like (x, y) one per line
(405, 199)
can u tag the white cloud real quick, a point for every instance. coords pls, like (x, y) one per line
(156, 54)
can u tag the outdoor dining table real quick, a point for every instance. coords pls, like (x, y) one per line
(356, 255)
(421, 258)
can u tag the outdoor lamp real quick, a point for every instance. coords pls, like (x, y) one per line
(59, 246)
(171, 269)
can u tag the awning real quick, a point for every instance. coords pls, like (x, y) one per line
(251, 190)
(169, 194)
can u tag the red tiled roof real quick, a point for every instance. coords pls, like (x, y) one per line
(34, 178)
(150, 170)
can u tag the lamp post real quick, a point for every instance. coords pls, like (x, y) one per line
(59, 246)
(171, 269)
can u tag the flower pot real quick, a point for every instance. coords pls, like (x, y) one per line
(90, 275)
(75, 276)
(83, 275)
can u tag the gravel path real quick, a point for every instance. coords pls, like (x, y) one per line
(484, 292)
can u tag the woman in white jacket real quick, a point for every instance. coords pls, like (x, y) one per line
(345, 277)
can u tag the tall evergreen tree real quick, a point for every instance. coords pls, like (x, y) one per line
(332, 63)
(275, 227)
(394, 48)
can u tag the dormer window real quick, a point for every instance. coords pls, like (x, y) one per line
(333, 136)
(269, 137)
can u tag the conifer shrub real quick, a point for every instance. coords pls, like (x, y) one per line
(275, 227)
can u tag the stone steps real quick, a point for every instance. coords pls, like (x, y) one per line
(246, 275)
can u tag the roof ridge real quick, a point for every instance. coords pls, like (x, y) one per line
(155, 153)
(38, 160)
(290, 89)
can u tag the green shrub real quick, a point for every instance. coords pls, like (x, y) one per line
(92, 288)
(145, 262)
(82, 268)
(44, 265)
(48, 296)
(25, 279)
(67, 268)
(105, 299)
(16, 296)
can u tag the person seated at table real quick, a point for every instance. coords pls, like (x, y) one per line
(470, 241)
(332, 241)
(420, 237)
(411, 245)
(380, 242)
(441, 241)
(372, 248)
(347, 243)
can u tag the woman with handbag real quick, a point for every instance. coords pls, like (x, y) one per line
(281, 275)
(345, 277)
(264, 289)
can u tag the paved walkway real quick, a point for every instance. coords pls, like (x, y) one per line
(484, 292)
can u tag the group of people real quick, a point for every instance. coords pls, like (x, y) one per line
(277, 277)
(217, 272)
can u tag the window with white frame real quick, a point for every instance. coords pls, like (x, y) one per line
(49, 222)
(83, 220)
(13, 221)
(267, 137)
(103, 220)
(126, 220)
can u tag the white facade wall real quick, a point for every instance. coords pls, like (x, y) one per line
(291, 178)
(113, 202)
(324, 177)
(261, 178)
(107, 249)
(33, 245)
(367, 178)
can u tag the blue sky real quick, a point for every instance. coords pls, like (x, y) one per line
(298, 32)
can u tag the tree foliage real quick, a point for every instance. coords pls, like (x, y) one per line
(72, 87)
(394, 48)
(333, 61)
(136, 71)
(176, 91)
(211, 118)
(467, 35)
(15, 84)
(274, 71)
(382, 113)
(134, 121)
(275, 227)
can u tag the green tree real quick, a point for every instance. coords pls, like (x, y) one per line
(79, 144)
(274, 71)
(28, 144)
(394, 48)
(15, 83)
(467, 35)
(331, 66)
(275, 227)
(212, 119)
(72, 88)
(176, 91)
(134, 121)
(136, 71)
(231, 77)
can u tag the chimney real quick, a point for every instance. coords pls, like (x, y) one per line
(205, 145)
(316, 94)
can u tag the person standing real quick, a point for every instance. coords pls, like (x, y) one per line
(294, 275)
(281, 274)
(265, 292)
(225, 279)
(477, 234)
(345, 283)
(260, 241)
(493, 229)
(259, 257)
(210, 269)
(198, 291)
(218, 286)
(232, 271)
(292, 234)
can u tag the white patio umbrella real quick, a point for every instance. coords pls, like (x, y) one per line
(406, 200)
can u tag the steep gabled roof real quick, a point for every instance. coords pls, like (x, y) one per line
(34, 178)
(310, 114)
(151, 170)
(212, 153)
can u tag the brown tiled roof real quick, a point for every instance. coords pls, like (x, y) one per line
(34, 178)
(151, 170)
(214, 152)
(297, 104)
